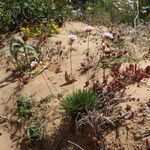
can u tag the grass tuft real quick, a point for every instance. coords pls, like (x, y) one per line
(78, 102)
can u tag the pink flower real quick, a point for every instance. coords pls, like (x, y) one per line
(108, 35)
(89, 29)
(33, 64)
(72, 37)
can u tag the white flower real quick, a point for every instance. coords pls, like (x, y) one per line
(89, 29)
(108, 35)
(33, 64)
(72, 38)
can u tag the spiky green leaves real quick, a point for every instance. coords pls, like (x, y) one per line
(78, 102)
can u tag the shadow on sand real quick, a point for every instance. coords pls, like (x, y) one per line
(59, 140)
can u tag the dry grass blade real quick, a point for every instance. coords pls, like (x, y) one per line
(76, 145)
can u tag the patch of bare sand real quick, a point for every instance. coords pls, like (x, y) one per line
(5, 141)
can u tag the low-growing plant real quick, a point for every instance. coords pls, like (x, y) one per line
(22, 52)
(78, 102)
(24, 107)
(35, 131)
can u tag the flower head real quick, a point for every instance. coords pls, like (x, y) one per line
(23, 29)
(54, 26)
(72, 38)
(52, 31)
(33, 64)
(89, 29)
(107, 35)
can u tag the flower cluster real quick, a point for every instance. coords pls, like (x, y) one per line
(72, 38)
(25, 29)
(107, 35)
(54, 28)
(89, 29)
(39, 30)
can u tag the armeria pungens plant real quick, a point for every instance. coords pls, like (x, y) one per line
(79, 101)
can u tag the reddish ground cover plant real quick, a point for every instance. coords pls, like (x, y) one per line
(130, 75)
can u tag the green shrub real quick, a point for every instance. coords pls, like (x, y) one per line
(79, 101)
(18, 13)
(109, 10)
(5, 17)
(24, 107)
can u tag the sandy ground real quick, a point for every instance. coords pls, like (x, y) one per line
(38, 87)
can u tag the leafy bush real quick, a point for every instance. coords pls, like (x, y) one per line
(24, 107)
(20, 13)
(4, 17)
(79, 101)
(35, 131)
(117, 11)
(109, 10)
(21, 52)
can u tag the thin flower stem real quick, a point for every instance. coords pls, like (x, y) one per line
(71, 60)
(88, 41)
(47, 85)
(104, 75)
(52, 83)
(71, 65)
(88, 50)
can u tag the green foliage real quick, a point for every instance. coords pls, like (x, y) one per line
(106, 10)
(48, 98)
(102, 11)
(124, 59)
(29, 12)
(22, 13)
(21, 51)
(5, 17)
(1, 41)
(35, 131)
(24, 107)
(79, 101)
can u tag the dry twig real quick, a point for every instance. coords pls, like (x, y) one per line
(76, 145)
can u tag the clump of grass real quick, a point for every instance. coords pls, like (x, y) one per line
(24, 107)
(78, 102)
(35, 131)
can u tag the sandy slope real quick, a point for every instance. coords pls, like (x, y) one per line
(37, 86)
